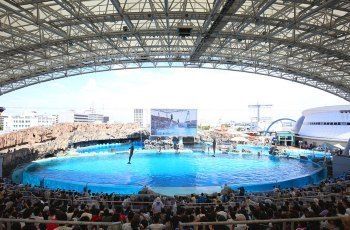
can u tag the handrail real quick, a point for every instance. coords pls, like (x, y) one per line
(276, 199)
(253, 198)
(9, 220)
(269, 195)
(291, 220)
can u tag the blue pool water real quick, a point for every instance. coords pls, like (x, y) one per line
(169, 173)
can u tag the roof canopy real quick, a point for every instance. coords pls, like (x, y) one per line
(305, 41)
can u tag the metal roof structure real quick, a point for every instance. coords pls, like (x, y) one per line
(305, 41)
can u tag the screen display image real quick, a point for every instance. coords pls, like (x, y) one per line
(174, 122)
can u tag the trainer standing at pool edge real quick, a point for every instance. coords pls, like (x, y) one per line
(131, 151)
(214, 146)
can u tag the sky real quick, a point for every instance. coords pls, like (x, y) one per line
(219, 95)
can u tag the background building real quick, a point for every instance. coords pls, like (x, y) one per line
(27, 120)
(2, 109)
(88, 116)
(285, 138)
(138, 116)
(329, 124)
(2, 122)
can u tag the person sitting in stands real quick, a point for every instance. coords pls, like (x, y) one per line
(221, 218)
(37, 215)
(127, 225)
(70, 213)
(241, 191)
(52, 216)
(156, 223)
(126, 203)
(202, 199)
(240, 217)
(106, 216)
(225, 192)
(86, 213)
(62, 216)
(135, 222)
(96, 217)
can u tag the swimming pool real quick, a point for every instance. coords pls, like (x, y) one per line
(168, 173)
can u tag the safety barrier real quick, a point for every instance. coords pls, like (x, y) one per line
(284, 222)
(252, 197)
(6, 223)
(136, 205)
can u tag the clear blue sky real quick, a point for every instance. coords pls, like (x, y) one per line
(218, 95)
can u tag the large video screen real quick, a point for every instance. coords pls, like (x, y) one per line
(174, 122)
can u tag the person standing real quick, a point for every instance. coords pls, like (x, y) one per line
(157, 205)
(214, 146)
(131, 151)
(159, 143)
(176, 143)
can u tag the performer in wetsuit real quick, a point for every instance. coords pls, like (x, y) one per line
(214, 146)
(176, 143)
(131, 151)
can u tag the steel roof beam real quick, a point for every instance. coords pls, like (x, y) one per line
(222, 57)
(25, 15)
(39, 23)
(70, 8)
(250, 37)
(262, 6)
(241, 18)
(128, 22)
(296, 76)
(302, 16)
(230, 7)
(311, 39)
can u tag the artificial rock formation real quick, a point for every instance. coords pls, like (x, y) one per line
(60, 135)
(29, 144)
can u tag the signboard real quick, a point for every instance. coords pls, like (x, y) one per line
(174, 122)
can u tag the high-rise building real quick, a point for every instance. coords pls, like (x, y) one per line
(138, 116)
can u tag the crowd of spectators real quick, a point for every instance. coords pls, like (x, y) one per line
(150, 211)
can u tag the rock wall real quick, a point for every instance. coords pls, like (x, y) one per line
(17, 157)
(60, 135)
(30, 144)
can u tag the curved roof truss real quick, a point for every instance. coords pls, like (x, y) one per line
(305, 41)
